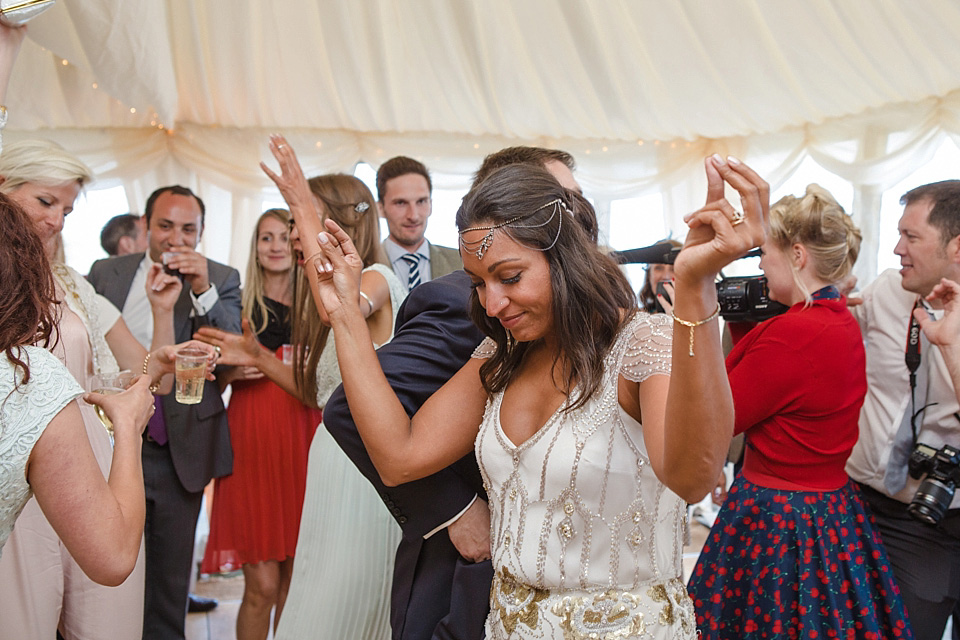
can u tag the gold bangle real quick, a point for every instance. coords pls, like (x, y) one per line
(369, 302)
(693, 325)
(146, 361)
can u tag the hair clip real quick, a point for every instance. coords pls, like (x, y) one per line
(360, 207)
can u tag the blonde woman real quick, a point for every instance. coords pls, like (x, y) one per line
(41, 586)
(344, 567)
(256, 509)
(794, 551)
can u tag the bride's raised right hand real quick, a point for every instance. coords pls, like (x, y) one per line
(339, 268)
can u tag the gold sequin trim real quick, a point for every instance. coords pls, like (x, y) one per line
(515, 602)
(606, 616)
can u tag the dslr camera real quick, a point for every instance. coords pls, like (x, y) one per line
(942, 470)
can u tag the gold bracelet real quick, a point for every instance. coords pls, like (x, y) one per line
(312, 256)
(156, 385)
(693, 325)
(369, 302)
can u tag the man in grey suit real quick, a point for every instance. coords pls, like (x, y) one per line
(184, 445)
(403, 192)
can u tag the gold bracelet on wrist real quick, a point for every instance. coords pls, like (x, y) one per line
(694, 325)
(146, 361)
(313, 256)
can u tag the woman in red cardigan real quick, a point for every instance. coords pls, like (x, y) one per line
(793, 552)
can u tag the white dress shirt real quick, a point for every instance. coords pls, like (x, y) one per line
(137, 312)
(401, 267)
(884, 317)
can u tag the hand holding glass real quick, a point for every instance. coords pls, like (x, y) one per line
(191, 371)
(110, 384)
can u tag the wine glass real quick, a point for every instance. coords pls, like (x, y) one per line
(109, 384)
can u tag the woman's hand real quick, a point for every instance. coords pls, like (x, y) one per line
(166, 357)
(719, 234)
(238, 350)
(339, 269)
(667, 301)
(291, 182)
(130, 409)
(163, 289)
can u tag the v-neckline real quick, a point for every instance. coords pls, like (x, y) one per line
(536, 434)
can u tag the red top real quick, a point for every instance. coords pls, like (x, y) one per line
(798, 383)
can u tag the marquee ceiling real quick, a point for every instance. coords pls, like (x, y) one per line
(617, 70)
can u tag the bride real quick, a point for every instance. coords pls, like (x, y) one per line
(592, 430)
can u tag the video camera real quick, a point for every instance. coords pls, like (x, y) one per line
(742, 299)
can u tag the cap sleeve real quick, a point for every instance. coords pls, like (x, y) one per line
(649, 339)
(485, 349)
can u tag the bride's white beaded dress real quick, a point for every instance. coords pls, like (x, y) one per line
(587, 542)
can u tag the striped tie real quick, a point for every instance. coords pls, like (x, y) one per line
(413, 262)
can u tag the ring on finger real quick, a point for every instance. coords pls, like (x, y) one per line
(217, 349)
(737, 218)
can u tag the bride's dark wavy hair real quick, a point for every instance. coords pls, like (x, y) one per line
(28, 302)
(592, 299)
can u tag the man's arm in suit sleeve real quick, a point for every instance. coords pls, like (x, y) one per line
(434, 340)
(225, 314)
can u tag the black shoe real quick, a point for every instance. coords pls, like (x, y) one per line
(196, 604)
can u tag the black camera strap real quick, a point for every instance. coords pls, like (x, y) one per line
(912, 359)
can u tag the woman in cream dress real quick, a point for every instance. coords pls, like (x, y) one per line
(591, 425)
(343, 570)
(44, 449)
(41, 586)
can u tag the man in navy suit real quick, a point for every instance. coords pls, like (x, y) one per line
(184, 445)
(442, 574)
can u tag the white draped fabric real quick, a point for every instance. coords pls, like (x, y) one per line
(639, 91)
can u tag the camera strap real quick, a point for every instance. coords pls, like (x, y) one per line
(912, 359)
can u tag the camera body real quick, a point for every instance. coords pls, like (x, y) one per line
(747, 299)
(742, 299)
(942, 470)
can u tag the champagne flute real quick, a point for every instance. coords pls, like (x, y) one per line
(110, 384)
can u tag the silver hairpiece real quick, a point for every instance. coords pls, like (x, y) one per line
(479, 247)
(360, 207)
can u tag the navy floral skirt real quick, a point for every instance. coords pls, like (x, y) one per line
(796, 564)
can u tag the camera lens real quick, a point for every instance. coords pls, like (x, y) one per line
(931, 500)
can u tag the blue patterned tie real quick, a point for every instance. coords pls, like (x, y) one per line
(413, 277)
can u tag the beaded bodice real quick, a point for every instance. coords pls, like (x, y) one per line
(24, 414)
(577, 506)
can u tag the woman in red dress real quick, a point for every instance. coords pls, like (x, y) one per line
(256, 510)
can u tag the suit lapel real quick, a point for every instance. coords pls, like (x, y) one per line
(123, 270)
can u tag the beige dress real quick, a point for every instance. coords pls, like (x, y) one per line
(41, 587)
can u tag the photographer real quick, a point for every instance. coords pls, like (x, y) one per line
(900, 412)
(793, 551)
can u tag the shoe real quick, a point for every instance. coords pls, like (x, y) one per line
(196, 604)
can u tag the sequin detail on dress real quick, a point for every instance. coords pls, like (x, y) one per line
(578, 517)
